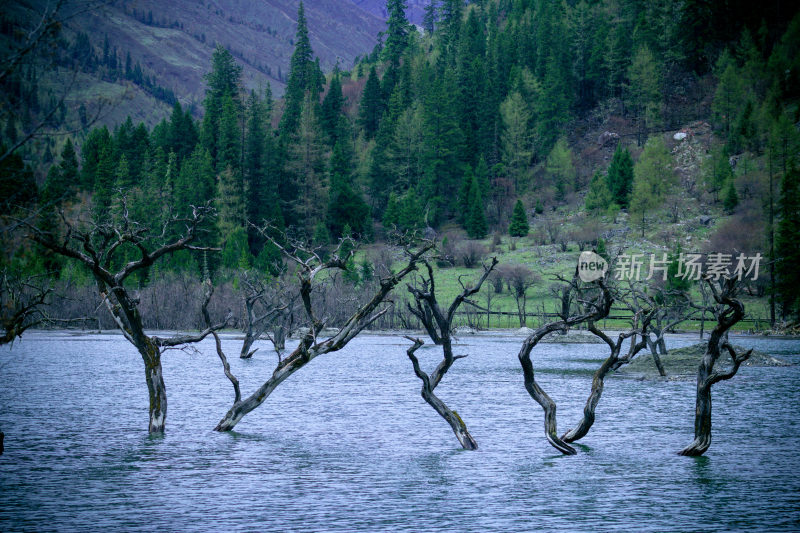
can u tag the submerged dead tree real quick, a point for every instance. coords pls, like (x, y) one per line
(438, 323)
(589, 308)
(103, 246)
(731, 311)
(267, 306)
(613, 362)
(22, 302)
(310, 267)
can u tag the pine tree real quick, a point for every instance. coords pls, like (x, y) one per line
(654, 180)
(598, 198)
(730, 198)
(620, 176)
(516, 138)
(331, 110)
(346, 208)
(645, 92)
(476, 221)
(787, 244)
(560, 168)
(302, 76)
(230, 204)
(195, 183)
(229, 147)
(223, 91)
(397, 28)
(519, 221)
(305, 165)
(371, 107)
(69, 166)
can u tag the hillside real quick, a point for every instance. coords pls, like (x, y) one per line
(415, 10)
(174, 41)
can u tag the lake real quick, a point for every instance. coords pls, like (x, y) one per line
(348, 444)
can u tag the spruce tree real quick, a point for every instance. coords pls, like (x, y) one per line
(476, 221)
(302, 76)
(519, 221)
(787, 244)
(598, 198)
(730, 198)
(620, 176)
(331, 110)
(371, 106)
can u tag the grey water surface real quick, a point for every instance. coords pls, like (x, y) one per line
(347, 444)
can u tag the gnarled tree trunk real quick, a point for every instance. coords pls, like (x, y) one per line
(157, 390)
(612, 363)
(706, 375)
(438, 324)
(597, 310)
(456, 423)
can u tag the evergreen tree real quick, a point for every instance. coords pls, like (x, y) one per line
(519, 221)
(476, 220)
(654, 180)
(644, 90)
(62, 179)
(231, 208)
(331, 111)
(730, 198)
(397, 28)
(598, 198)
(195, 184)
(560, 168)
(305, 165)
(303, 76)
(229, 147)
(371, 107)
(516, 138)
(97, 140)
(719, 172)
(620, 176)
(787, 244)
(346, 208)
(222, 92)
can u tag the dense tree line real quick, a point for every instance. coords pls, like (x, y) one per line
(465, 123)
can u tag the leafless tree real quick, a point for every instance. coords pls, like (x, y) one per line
(310, 266)
(98, 248)
(22, 302)
(613, 362)
(267, 305)
(732, 311)
(593, 307)
(519, 279)
(470, 253)
(438, 323)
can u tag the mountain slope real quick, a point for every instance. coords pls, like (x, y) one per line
(174, 41)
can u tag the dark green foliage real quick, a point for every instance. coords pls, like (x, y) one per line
(519, 221)
(598, 199)
(346, 208)
(371, 107)
(303, 76)
(331, 111)
(17, 186)
(787, 244)
(730, 198)
(620, 176)
(62, 179)
(476, 225)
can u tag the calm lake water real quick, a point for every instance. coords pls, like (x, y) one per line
(348, 443)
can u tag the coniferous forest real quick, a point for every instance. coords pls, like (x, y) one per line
(477, 120)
